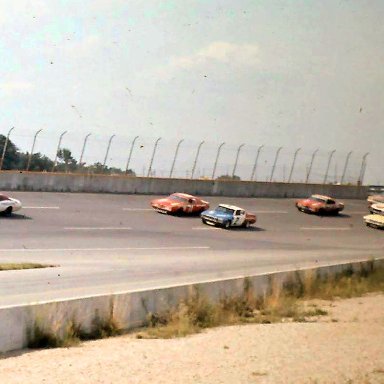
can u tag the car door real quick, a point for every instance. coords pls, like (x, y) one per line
(330, 205)
(198, 206)
(4, 203)
(238, 218)
(190, 205)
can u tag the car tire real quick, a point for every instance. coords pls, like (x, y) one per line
(246, 224)
(321, 212)
(204, 221)
(8, 211)
(227, 225)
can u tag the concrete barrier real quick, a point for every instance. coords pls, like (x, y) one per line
(57, 182)
(130, 309)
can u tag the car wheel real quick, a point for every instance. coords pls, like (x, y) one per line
(321, 212)
(8, 211)
(204, 221)
(246, 224)
(227, 224)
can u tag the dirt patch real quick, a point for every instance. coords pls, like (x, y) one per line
(345, 346)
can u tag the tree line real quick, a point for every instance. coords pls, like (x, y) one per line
(14, 159)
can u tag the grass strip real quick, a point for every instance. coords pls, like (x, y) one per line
(19, 266)
(287, 303)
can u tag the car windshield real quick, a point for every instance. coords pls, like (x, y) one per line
(224, 210)
(317, 199)
(177, 198)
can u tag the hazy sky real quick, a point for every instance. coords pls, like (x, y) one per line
(291, 73)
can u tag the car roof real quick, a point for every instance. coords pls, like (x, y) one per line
(322, 197)
(378, 218)
(233, 207)
(185, 195)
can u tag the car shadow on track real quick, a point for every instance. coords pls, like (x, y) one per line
(338, 216)
(15, 216)
(249, 229)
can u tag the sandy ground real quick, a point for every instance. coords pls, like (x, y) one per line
(345, 347)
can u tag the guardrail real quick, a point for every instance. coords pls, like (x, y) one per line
(66, 182)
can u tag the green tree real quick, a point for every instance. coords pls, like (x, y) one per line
(99, 168)
(66, 161)
(39, 162)
(228, 177)
(12, 154)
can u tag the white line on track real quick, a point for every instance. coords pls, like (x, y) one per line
(101, 249)
(41, 207)
(325, 228)
(138, 209)
(97, 228)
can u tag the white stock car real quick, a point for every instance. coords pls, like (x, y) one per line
(377, 209)
(9, 205)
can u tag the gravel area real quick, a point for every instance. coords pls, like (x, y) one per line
(346, 346)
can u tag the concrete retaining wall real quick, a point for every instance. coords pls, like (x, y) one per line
(130, 309)
(47, 182)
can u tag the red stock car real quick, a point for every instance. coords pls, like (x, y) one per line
(320, 205)
(180, 203)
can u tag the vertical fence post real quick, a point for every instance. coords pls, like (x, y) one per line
(275, 162)
(107, 152)
(256, 160)
(32, 149)
(153, 156)
(237, 158)
(57, 150)
(216, 160)
(82, 151)
(5, 148)
(174, 158)
(196, 158)
(362, 170)
(130, 154)
(328, 165)
(293, 164)
(345, 167)
(311, 164)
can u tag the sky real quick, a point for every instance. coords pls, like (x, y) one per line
(295, 73)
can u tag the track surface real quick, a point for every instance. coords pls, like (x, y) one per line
(112, 243)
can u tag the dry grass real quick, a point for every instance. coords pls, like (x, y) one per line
(19, 266)
(72, 333)
(283, 303)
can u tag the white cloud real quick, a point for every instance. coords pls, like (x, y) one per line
(83, 47)
(25, 10)
(220, 52)
(13, 87)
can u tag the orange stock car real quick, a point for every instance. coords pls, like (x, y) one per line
(319, 204)
(180, 203)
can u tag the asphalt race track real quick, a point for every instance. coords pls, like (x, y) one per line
(113, 243)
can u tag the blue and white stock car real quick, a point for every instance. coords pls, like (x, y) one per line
(228, 216)
(8, 205)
